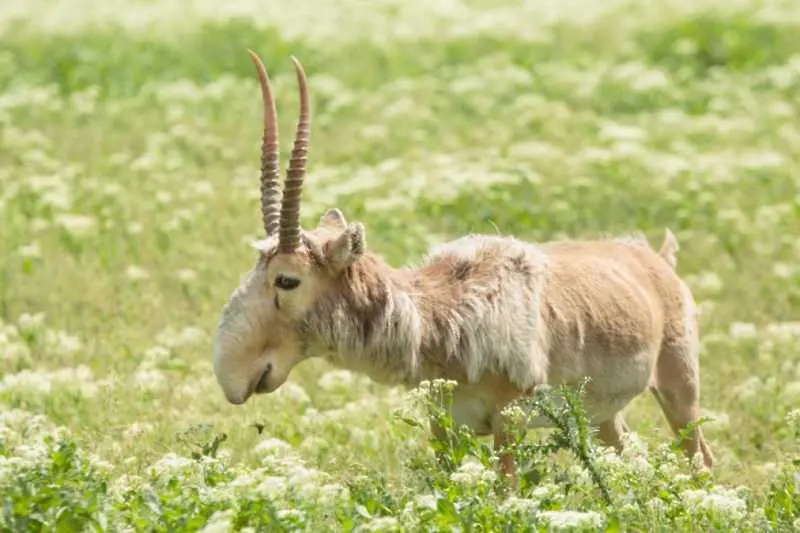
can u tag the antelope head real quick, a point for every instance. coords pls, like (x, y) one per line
(260, 338)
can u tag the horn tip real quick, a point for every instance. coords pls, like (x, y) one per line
(296, 62)
(256, 58)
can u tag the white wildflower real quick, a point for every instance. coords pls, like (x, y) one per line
(633, 445)
(290, 515)
(100, 463)
(31, 453)
(718, 420)
(305, 481)
(749, 388)
(137, 429)
(547, 491)
(8, 333)
(172, 338)
(314, 444)
(154, 356)
(761, 160)
(30, 251)
(557, 520)
(171, 465)
(6, 471)
(708, 282)
(135, 228)
(273, 487)
(784, 331)
(62, 343)
(245, 480)
(425, 501)
(621, 132)
(791, 393)
(515, 415)
(657, 505)
(742, 330)
(150, 379)
(525, 506)
(438, 385)
(721, 502)
(76, 380)
(186, 275)
(14, 354)
(192, 335)
(85, 102)
(192, 388)
(294, 393)
(163, 197)
(273, 448)
(793, 419)
(374, 131)
(784, 270)
(77, 225)
(202, 188)
(332, 495)
(365, 437)
(336, 379)
(219, 522)
(136, 273)
(30, 323)
(431, 392)
(608, 458)
(381, 523)
(472, 473)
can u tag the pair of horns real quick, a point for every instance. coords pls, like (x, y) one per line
(279, 215)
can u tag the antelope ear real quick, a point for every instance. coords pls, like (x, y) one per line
(669, 250)
(262, 245)
(348, 247)
(334, 219)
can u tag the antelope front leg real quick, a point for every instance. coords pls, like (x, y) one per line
(508, 467)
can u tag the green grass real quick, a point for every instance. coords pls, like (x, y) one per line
(639, 119)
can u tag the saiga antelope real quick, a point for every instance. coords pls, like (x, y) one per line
(495, 314)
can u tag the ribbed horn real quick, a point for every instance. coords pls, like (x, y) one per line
(289, 236)
(270, 165)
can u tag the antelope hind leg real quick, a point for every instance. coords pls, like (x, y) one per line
(611, 431)
(676, 387)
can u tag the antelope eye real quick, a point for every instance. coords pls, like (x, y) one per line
(286, 283)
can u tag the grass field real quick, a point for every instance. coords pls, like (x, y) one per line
(129, 192)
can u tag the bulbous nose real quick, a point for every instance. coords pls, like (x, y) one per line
(235, 400)
(234, 387)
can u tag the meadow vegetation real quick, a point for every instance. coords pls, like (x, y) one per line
(129, 160)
